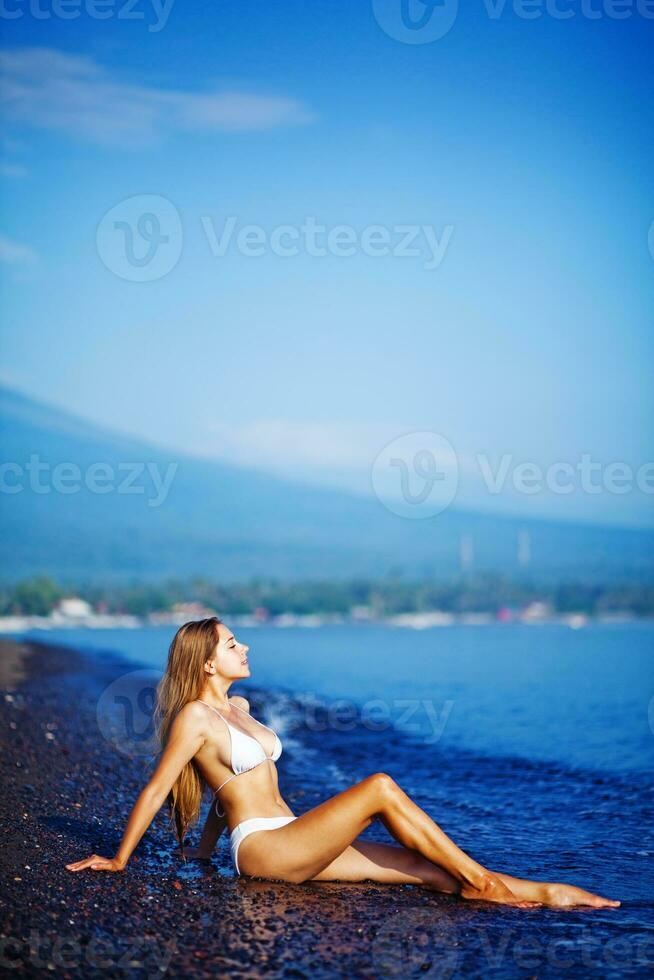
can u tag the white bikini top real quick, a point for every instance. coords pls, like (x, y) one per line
(246, 751)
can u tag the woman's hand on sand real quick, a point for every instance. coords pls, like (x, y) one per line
(97, 863)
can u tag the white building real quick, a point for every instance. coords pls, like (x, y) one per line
(74, 608)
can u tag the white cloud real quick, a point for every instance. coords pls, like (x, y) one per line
(13, 252)
(331, 453)
(73, 94)
(281, 443)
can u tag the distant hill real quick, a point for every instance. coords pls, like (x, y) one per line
(228, 523)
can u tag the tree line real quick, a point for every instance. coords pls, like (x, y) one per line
(488, 593)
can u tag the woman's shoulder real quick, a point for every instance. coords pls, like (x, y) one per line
(240, 702)
(192, 711)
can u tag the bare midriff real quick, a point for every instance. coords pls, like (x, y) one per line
(254, 793)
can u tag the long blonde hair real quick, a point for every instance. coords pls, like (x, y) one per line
(183, 680)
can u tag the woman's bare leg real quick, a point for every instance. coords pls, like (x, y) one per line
(301, 849)
(388, 864)
(555, 894)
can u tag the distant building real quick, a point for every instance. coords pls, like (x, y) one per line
(362, 612)
(536, 612)
(180, 613)
(74, 608)
(422, 620)
(191, 610)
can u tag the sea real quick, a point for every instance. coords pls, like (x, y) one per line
(531, 745)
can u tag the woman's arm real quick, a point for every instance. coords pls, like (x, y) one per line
(213, 828)
(186, 738)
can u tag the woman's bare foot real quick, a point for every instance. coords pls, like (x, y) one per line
(490, 888)
(560, 896)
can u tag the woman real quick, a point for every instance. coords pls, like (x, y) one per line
(208, 738)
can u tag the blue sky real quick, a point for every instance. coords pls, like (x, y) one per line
(522, 146)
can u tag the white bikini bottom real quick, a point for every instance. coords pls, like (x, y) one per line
(241, 831)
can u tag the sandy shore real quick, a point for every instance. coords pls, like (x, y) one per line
(67, 792)
(12, 664)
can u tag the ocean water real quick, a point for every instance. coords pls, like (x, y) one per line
(581, 697)
(532, 746)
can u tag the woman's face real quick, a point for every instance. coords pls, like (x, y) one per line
(230, 655)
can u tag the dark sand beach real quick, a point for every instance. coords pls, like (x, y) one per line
(67, 792)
